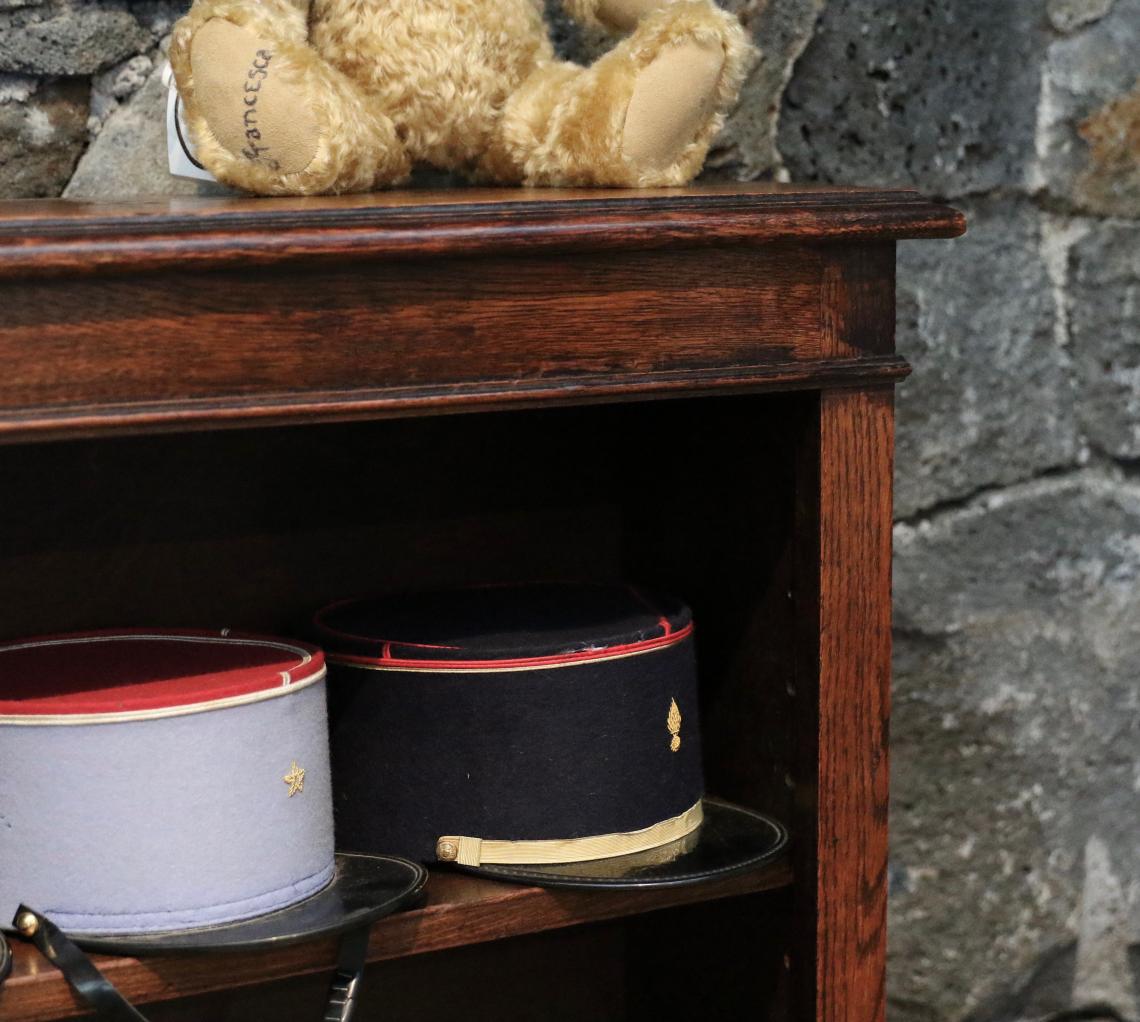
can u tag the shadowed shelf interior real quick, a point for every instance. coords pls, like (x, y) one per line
(227, 413)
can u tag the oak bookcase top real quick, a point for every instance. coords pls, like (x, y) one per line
(76, 237)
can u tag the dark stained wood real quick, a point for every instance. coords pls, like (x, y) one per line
(69, 237)
(843, 687)
(497, 327)
(858, 293)
(186, 334)
(139, 352)
(460, 911)
(24, 425)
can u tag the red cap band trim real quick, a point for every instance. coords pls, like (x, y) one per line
(521, 663)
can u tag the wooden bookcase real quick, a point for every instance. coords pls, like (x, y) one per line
(692, 388)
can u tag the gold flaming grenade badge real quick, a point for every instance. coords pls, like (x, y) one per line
(673, 723)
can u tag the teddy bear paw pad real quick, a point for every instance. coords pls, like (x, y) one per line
(251, 102)
(672, 101)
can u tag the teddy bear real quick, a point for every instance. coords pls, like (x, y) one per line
(304, 97)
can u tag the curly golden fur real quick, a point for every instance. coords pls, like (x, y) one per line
(465, 85)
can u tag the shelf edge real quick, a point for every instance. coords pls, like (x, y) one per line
(39, 424)
(485, 911)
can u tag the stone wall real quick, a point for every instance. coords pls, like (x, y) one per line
(1016, 739)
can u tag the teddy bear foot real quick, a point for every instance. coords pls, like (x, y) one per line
(252, 107)
(643, 115)
(673, 100)
(261, 105)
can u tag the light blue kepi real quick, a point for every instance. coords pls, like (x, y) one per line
(169, 791)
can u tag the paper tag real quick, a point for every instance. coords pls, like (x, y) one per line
(179, 149)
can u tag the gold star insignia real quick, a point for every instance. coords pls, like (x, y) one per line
(295, 778)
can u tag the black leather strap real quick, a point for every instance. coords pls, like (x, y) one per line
(349, 970)
(5, 959)
(79, 971)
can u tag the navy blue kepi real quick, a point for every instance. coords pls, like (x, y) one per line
(545, 733)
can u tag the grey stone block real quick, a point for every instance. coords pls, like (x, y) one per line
(68, 37)
(1089, 119)
(158, 16)
(1016, 751)
(746, 148)
(1104, 321)
(991, 400)
(1069, 15)
(112, 87)
(128, 156)
(940, 96)
(43, 129)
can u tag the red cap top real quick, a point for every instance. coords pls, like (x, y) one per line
(149, 673)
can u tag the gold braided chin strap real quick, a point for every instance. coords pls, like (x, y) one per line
(476, 851)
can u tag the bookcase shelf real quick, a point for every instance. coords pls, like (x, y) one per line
(459, 911)
(692, 388)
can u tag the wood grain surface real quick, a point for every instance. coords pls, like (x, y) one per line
(843, 681)
(197, 349)
(77, 237)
